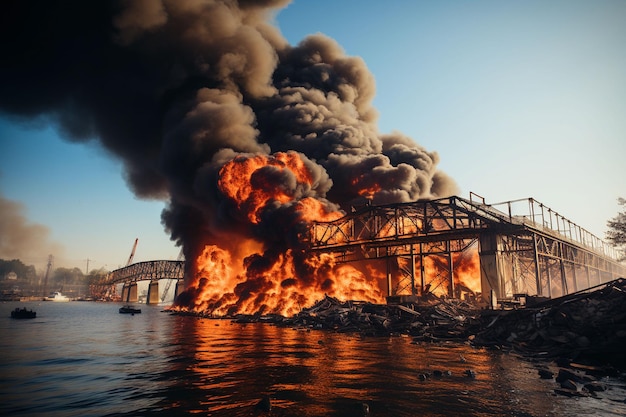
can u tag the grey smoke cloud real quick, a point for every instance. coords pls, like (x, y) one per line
(22, 239)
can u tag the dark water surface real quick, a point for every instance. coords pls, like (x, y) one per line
(85, 359)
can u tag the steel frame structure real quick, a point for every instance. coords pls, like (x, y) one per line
(544, 265)
(534, 251)
(129, 275)
(144, 271)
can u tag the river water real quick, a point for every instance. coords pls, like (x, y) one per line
(86, 359)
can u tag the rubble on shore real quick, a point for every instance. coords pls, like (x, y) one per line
(588, 326)
(439, 319)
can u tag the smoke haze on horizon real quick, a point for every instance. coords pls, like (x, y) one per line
(22, 240)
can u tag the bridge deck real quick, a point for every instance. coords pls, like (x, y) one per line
(143, 271)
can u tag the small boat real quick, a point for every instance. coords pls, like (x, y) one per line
(58, 297)
(128, 309)
(22, 313)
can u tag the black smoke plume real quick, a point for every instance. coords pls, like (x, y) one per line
(176, 89)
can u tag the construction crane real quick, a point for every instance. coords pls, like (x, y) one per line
(45, 279)
(181, 256)
(132, 253)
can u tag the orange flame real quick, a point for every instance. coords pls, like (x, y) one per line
(277, 290)
(244, 180)
(245, 274)
(311, 210)
(466, 273)
(365, 190)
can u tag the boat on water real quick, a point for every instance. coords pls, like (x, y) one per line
(128, 309)
(58, 297)
(22, 313)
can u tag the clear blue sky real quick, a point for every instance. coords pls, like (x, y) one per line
(520, 99)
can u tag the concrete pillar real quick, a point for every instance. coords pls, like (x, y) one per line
(179, 288)
(422, 271)
(489, 277)
(413, 292)
(153, 293)
(389, 277)
(132, 293)
(125, 292)
(451, 289)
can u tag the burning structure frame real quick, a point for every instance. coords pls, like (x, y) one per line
(525, 249)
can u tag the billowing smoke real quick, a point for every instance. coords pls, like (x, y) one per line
(21, 239)
(212, 110)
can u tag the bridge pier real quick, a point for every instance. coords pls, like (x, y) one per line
(124, 292)
(491, 273)
(153, 293)
(129, 293)
(178, 288)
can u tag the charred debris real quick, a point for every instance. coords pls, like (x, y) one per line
(585, 327)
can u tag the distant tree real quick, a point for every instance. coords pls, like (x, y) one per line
(95, 275)
(63, 276)
(22, 271)
(617, 230)
(31, 274)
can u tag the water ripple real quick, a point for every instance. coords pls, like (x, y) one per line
(80, 359)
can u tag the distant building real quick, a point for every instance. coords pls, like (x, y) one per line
(11, 276)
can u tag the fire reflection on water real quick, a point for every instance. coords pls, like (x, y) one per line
(86, 359)
(227, 368)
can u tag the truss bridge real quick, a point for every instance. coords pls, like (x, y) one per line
(507, 252)
(153, 271)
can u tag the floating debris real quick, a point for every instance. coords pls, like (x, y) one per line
(265, 404)
(546, 374)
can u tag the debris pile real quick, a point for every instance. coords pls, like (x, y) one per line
(448, 319)
(587, 326)
(577, 380)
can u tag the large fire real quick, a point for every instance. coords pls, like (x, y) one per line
(465, 281)
(276, 289)
(253, 182)
(246, 137)
(255, 277)
(246, 271)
